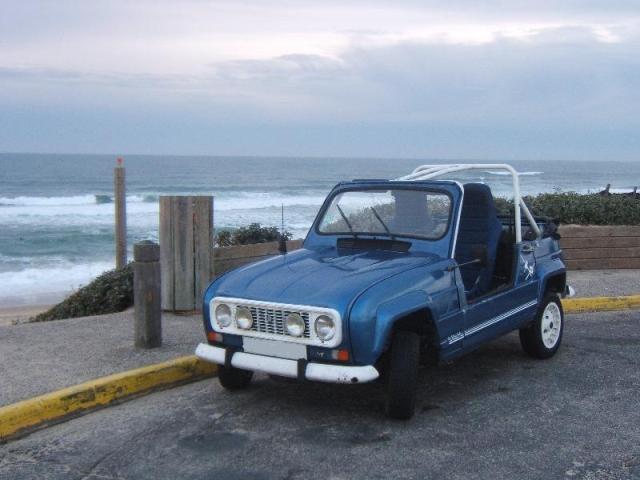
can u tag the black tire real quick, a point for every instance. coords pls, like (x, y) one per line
(542, 338)
(403, 374)
(233, 378)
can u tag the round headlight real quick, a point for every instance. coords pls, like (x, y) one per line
(325, 327)
(243, 318)
(294, 325)
(223, 315)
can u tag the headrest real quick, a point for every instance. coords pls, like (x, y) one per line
(477, 194)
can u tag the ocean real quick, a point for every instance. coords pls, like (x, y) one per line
(56, 211)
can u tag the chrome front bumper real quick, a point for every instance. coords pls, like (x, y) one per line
(318, 372)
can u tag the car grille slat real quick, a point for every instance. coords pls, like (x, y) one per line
(271, 320)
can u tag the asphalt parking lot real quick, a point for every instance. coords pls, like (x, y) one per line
(493, 414)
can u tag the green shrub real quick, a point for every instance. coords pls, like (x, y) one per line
(581, 209)
(254, 233)
(111, 292)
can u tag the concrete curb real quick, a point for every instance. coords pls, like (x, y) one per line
(38, 412)
(600, 304)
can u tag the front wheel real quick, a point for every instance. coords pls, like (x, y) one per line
(403, 374)
(233, 378)
(542, 338)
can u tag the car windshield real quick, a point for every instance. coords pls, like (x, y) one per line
(394, 212)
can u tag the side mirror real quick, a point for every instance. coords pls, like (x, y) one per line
(480, 255)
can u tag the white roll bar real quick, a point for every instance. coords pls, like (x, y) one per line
(427, 172)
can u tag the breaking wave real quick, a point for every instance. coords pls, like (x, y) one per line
(521, 174)
(97, 199)
(27, 286)
(236, 200)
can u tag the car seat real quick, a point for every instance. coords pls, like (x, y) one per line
(479, 227)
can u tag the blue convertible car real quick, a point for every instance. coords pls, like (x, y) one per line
(391, 273)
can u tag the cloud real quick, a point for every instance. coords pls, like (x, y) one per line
(332, 78)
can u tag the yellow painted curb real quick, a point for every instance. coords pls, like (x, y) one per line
(30, 414)
(600, 304)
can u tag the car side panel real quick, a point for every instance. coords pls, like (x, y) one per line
(500, 313)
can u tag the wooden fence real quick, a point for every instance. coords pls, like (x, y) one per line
(600, 247)
(584, 247)
(227, 258)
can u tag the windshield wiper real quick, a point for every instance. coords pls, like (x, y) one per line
(384, 225)
(344, 217)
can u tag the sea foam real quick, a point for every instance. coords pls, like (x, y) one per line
(36, 285)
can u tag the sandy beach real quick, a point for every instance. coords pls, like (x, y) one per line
(21, 314)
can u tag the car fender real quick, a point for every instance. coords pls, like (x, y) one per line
(375, 322)
(374, 313)
(389, 313)
(549, 268)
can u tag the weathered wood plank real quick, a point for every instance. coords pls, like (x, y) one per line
(184, 282)
(244, 251)
(224, 264)
(166, 253)
(603, 263)
(202, 246)
(229, 264)
(600, 242)
(253, 250)
(591, 231)
(583, 253)
(294, 244)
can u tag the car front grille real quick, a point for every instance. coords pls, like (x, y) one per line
(269, 320)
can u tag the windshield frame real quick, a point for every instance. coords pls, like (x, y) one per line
(383, 186)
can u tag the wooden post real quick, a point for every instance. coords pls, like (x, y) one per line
(167, 248)
(120, 201)
(183, 255)
(202, 246)
(186, 250)
(146, 294)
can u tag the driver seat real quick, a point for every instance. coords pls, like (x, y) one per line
(479, 227)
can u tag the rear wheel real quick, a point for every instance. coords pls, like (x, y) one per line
(542, 338)
(402, 376)
(233, 378)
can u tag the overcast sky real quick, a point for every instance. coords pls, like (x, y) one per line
(508, 79)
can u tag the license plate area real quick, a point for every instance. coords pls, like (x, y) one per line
(274, 348)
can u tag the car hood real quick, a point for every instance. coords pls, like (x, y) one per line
(327, 278)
